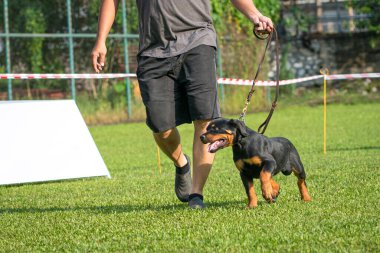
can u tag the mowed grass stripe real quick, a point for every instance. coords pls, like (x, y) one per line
(137, 209)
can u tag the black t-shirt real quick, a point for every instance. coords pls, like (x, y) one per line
(172, 27)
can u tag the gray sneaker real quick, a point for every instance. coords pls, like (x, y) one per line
(182, 184)
(196, 203)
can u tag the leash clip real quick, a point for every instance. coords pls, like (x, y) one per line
(242, 114)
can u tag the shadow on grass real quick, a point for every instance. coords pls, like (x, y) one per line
(234, 204)
(94, 209)
(127, 208)
(355, 148)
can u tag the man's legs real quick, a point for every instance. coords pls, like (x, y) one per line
(202, 159)
(170, 143)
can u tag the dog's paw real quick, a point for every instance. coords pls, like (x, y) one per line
(269, 198)
(306, 198)
(268, 194)
(275, 195)
(251, 205)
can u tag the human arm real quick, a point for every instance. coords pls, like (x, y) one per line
(107, 15)
(248, 8)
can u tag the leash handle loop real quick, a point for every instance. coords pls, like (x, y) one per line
(261, 35)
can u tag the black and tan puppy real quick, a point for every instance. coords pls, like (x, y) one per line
(257, 156)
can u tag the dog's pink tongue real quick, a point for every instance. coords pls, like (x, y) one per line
(213, 147)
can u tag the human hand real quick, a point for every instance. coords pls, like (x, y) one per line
(99, 56)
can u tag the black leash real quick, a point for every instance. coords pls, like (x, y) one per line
(268, 37)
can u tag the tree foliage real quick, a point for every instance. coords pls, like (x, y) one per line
(370, 9)
(226, 17)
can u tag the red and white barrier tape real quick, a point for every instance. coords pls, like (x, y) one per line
(266, 83)
(64, 76)
(298, 80)
(230, 81)
(353, 76)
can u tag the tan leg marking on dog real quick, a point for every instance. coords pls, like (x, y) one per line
(252, 198)
(275, 188)
(254, 160)
(266, 187)
(303, 190)
(302, 187)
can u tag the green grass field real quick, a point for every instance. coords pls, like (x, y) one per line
(137, 209)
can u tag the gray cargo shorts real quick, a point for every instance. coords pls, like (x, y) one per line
(179, 89)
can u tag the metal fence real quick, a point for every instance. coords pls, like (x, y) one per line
(70, 46)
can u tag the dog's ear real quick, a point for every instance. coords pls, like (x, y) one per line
(240, 127)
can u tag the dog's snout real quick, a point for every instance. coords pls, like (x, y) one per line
(203, 138)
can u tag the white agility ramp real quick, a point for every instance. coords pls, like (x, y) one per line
(45, 141)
